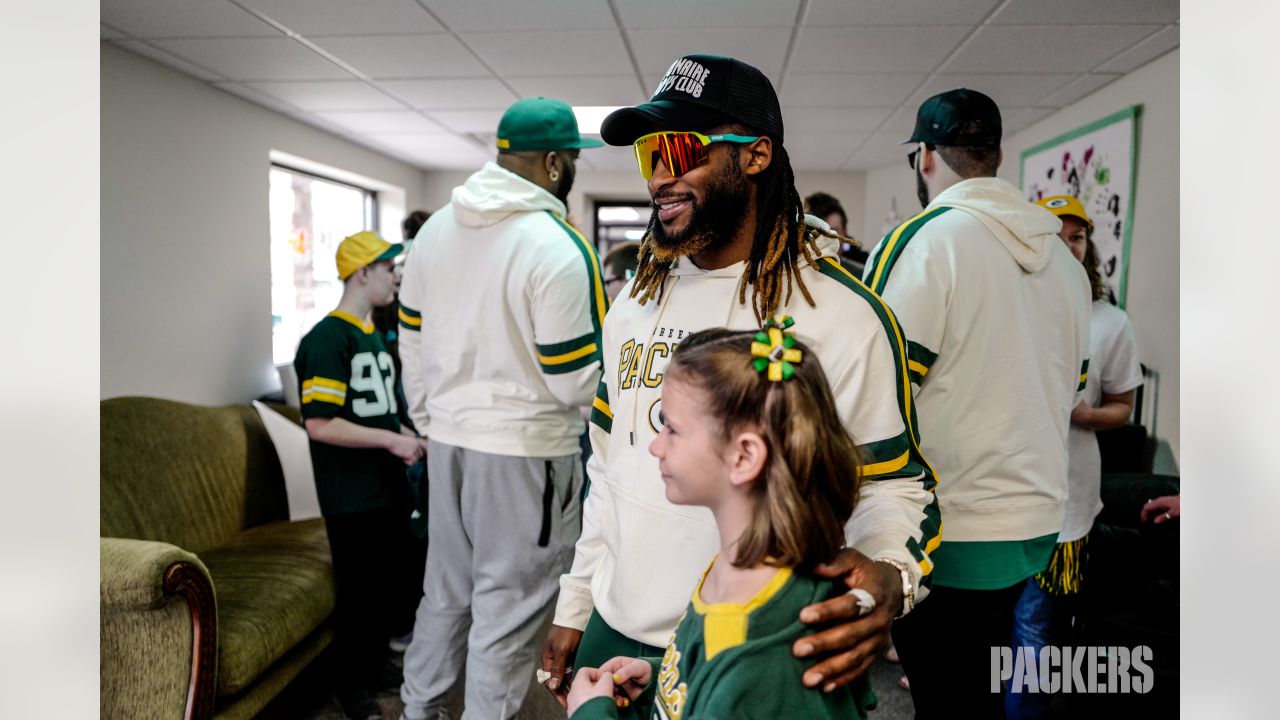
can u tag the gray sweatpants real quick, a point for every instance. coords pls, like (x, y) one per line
(500, 532)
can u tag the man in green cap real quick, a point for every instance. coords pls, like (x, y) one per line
(500, 311)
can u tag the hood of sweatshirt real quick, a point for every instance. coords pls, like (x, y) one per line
(1026, 230)
(492, 194)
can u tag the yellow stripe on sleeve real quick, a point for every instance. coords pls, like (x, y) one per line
(887, 466)
(324, 382)
(919, 369)
(567, 357)
(603, 407)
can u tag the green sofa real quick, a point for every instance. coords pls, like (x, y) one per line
(212, 600)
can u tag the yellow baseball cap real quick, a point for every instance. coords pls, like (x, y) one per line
(1061, 205)
(361, 249)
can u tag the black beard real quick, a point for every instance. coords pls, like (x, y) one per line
(718, 217)
(922, 190)
(564, 186)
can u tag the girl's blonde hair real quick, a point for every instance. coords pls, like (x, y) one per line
(809, 486)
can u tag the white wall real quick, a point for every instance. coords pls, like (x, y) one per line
(1152, 299)
(186, 271)
(591, 185)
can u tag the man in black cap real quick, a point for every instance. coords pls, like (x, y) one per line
(727, 222)
(997, 317)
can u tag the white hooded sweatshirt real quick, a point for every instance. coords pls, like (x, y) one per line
(501, 310)
(996, 312)
(639, 555)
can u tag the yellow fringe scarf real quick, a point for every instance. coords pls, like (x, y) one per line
(1065, 572)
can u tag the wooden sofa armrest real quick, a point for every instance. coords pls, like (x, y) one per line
(140, 580)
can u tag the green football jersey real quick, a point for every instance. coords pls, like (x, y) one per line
(731, 660)
(345, 371)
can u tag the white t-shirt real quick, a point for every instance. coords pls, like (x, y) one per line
(1113, 369)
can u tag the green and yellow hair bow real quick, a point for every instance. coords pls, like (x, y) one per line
(774, 350)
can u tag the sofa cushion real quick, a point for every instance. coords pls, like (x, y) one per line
(274, 586)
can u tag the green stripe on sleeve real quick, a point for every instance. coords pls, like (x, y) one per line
(601, 414)
(894, 245)
(410, 319)
(598, 301)
(1084, 375)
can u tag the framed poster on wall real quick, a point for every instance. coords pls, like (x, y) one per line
(1097, 164)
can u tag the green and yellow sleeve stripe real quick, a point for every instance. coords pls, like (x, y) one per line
(601, 414)
(899, 456)
(569, 355)
(919, 360)
(881, 264)
(410, 319)
(598, 301)
(318, 389)
(1084, 375)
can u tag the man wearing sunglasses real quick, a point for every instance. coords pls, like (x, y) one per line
(728, 245)
(997, 317)
(501, 307)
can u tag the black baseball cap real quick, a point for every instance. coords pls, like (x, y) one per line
(700, 92)
(958, 117)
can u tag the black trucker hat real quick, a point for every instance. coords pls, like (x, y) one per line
(700, 92)
(958, 117)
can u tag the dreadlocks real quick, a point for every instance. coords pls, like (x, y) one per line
(780, 241)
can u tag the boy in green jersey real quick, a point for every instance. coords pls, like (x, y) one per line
(360, 445)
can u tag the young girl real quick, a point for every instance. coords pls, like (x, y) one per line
(750, 430)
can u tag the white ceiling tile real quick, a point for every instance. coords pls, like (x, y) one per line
(182, 18)
(506, 15)
(436, 150)
(1025, 118)
(821, 150)
(254, 96)
(405, 56)
(1006, 90)
(468, 121)
(613, 158)
(578, 52)
(390, 121)
(1144, 52)
(847, 89)
(1094, 12)
(829, 13)
(874, 50)
(818, 120)
(343, 17)
(446, 94)
(256, 58)
(879, 150)
(1044, 49)
(684, 14)
(109, 33)
(322, 96)
(584, 90)
(1077, 89)
(901, 122)
(655, 50)
(147, 50)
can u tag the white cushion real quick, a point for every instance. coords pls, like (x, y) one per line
(295, 459)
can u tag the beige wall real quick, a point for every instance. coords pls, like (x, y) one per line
(1152, 300)
(591, 185)
(186, 271)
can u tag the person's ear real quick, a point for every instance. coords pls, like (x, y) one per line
(927, 159)
(759, 156)
(551, 163)
(748, 455)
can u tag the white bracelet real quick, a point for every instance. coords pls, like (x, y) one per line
(908, 590)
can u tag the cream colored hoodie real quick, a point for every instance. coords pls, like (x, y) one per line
(997, 318)
(639, 555)
(501, 309)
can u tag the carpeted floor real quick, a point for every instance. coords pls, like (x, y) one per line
(309, 697)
